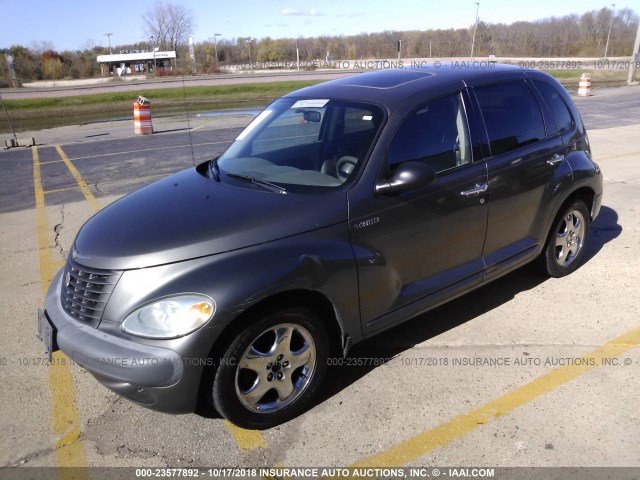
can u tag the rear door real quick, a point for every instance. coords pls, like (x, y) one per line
(521, 163)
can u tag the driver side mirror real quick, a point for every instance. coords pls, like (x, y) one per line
(408, 176)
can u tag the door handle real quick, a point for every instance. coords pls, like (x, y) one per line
(555, 159)
(477, 190)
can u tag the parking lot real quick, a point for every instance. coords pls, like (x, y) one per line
(525, 372)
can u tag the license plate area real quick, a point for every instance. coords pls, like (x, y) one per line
(47, 334)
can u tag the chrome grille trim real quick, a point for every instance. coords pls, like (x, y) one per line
(85, 291)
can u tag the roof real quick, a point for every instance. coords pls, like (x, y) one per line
(392, 87)
(132, 57)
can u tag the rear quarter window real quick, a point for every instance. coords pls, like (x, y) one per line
(511, 114)
(560, 113)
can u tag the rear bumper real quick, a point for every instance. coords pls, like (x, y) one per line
(163, 379)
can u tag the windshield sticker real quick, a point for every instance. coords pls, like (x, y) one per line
(317, 103)
(367, 117)
(256, 121)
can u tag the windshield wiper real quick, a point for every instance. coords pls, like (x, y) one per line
(214, 169)
(257, 181)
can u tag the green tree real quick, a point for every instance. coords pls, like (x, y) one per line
(52, 64)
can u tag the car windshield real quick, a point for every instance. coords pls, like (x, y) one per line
(303, 144)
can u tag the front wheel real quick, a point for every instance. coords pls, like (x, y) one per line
(272, 369)
(566, 245)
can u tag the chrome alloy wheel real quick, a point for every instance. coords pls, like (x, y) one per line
(569, 238)
(276, 368)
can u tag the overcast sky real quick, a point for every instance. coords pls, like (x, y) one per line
(76, 24)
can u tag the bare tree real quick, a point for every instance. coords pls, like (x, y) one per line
(41, 46)
(169, 24)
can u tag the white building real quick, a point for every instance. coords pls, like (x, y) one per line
(135, 61)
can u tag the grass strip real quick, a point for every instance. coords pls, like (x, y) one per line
(604, 78)
(38, 113)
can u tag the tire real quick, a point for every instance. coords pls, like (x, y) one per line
(567, 241)
(272, 369)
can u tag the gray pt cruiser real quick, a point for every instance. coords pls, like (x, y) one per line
(342, 210)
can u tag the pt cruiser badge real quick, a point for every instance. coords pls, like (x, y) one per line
(366, 223)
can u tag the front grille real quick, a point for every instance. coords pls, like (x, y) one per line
(85, 291)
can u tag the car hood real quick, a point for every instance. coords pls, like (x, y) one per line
(188, 215)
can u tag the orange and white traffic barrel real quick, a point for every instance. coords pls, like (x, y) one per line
(584, 85)
(142, 116)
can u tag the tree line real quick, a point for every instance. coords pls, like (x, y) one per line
(168, 27)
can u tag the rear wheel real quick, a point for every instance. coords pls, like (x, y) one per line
(272, 369)
(566, 245)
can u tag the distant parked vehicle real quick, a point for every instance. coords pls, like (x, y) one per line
(341, 211)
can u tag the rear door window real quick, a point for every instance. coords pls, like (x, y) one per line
(511, 114)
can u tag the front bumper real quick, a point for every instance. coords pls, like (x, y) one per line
(163, 379)
(595, 208)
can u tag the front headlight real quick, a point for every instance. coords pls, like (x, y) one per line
(170, 317)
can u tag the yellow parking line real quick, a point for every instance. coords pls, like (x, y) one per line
(112, 154)
(47, 269)
(459, 426)
(66, 419)
(84, 188)
(110, 182)
(611, 157)
(247, 439)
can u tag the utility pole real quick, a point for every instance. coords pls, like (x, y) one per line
(192, 53)
(153, 49)
(635, 58)
(15, 139)
(473, 42)
(215, 46)
(108, 35)
(613, 11)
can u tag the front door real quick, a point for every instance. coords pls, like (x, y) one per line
(417, 247)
